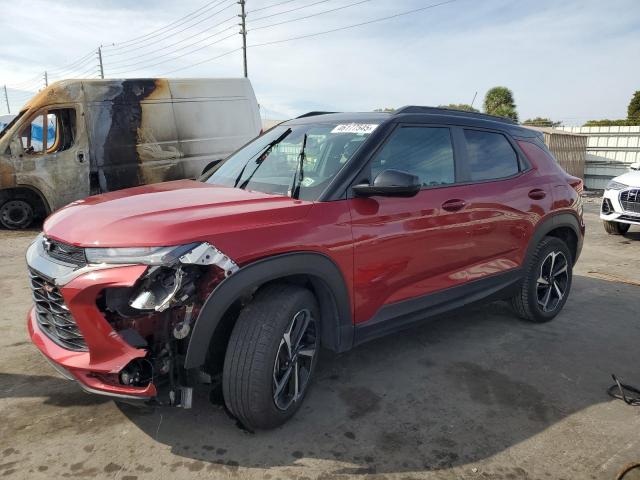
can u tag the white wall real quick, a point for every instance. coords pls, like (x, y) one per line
(610, 151)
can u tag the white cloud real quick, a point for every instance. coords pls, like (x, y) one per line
(572, 60)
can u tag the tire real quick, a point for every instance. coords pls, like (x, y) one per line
(257, 356)
(616, 228)
(541, 295)
(16, 214)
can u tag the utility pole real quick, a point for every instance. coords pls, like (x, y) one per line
(46, 79)
(243, 32)
(6, 99)
(100, 61)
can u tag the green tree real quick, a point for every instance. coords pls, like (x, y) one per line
(499, 101)
(610, 123)
(633, 111)
(460, 106)
(541, 122)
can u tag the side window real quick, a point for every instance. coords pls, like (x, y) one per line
(61, 129)
(32, 136)
(51, 131)
(490, 155)
(423, 151)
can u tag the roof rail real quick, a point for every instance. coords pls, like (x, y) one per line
(313, 114)
(451, 111)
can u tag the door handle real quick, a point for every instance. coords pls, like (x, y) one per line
(537, 194)
(454, 205)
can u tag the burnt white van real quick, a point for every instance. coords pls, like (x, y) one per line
(78, 138)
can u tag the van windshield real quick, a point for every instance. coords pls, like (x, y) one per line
(11, 123)
(297, 160)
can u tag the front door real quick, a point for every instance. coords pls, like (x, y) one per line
(52, 155)
(409, 247)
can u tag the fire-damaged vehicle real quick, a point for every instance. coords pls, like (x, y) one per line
(327, 231)
(77, 138)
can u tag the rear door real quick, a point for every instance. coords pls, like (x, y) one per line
(408, 247)
(504, 200)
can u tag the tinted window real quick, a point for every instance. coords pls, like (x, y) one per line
(490, 155)
(422, 151)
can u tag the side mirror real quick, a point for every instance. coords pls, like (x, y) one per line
(390, 183)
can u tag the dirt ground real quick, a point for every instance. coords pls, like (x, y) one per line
(478, 394)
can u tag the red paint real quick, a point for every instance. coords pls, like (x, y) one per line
(388, 249)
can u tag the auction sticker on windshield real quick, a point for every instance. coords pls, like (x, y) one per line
(354, 128)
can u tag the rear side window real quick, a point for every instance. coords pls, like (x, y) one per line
(423, 151)
(491, 155)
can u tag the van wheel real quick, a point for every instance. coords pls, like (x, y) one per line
(616, 228)
(547, 282)
(16, 214)
(271, 356)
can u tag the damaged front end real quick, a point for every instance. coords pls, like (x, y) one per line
(131, 341)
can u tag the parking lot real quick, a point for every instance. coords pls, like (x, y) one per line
(478, 394)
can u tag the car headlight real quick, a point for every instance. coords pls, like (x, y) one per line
(138, 255)
(613, 185)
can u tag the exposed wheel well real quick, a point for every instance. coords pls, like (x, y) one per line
(34, 197)
(220, 338)
(569, 237)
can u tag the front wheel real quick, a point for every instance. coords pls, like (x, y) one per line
(271, 357)
(615, 228)
(16, 214)
(547, 282)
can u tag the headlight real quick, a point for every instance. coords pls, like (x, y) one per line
(613, 185)
(138, 255)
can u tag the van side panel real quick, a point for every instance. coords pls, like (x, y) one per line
(158, 147)
(114, 120)
(213, 118)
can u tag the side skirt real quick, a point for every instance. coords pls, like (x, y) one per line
(401, 315)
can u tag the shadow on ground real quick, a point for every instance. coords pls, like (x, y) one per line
(455, 390)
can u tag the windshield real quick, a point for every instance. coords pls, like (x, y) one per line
(296, 160)
(11, 123)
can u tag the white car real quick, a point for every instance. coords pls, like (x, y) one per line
(621, 202)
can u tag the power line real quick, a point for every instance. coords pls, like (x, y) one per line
(131, 43)
(315, 34)
(289, 11)
(271, 6)
(170, 59)
(309, 16)
(76, 63)
(204, 61)
(408, 12)
(118, 62)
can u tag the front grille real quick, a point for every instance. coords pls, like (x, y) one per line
(629, 218)
(52, 314)
(65, 252)
(630, 200)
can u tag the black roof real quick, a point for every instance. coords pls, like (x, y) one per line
(420, 114)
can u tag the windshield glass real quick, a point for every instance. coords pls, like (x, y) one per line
(11, 124)
(296, 160)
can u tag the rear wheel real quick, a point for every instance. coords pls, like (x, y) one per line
(615, 228)
(546, 283)
(271, 356)
(16, 214)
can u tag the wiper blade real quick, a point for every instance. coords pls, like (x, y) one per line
(262, 155)
(297, 179)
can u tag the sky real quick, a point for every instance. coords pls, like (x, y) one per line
(569, 60)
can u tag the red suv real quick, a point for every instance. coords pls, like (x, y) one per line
(327, 231)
